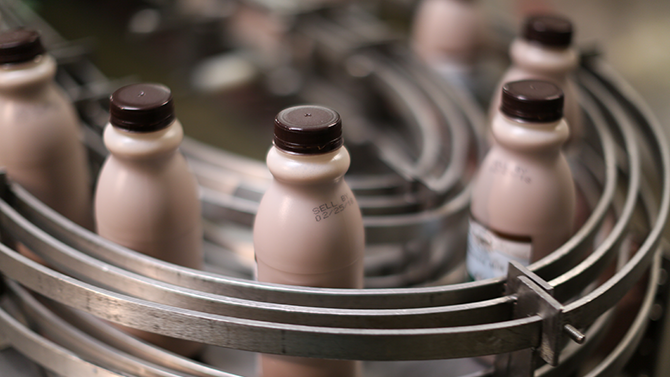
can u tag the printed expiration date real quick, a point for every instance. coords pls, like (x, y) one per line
(512, 170)
(331, 208)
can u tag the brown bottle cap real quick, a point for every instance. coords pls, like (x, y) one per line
(532, 101)
(308, 129)
(141, 107)
(20, 45)
(548, 30)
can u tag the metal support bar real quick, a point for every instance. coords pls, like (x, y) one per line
(649, 357)
(4, 185)
(5, 194)
(535, 297)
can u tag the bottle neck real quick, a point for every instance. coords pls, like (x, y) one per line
(137, 146)
(538, 139)
(28, 77)
(534, 57)
(316, 169)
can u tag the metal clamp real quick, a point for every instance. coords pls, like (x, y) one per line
(535, 297)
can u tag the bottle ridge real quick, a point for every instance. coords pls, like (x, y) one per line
(545, 52)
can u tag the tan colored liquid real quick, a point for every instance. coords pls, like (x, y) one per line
(447, 31)
(147, 200)
(524, 188)
(287, 366)
(309, 231)
(533, 61)
(40, 142)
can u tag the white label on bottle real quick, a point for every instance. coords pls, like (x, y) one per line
(489, 254)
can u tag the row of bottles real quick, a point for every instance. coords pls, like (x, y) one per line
(524, 200)
(544, 51)
(146, 198)
(308, 230)
(448, 36)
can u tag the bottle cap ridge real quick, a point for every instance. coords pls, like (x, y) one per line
(532, 101)
(308, 129)
(142, 107)
(20, 45)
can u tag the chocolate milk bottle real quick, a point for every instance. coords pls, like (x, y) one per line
(523, 199)
(544, 52)
(40, 142)
(447, 35)
(309, 230)
(147, 198)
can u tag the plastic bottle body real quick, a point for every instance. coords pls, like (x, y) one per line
(309, 231)
(147, 200)
(40, 143)
(448, 35)
(330, 220)
(523, 200)
(556, 65)
(288, 366)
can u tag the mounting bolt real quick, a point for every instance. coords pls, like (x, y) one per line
(574, 334)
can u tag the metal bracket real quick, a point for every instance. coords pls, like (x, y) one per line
(535, 297)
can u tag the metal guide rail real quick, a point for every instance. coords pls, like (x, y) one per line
(544, 320)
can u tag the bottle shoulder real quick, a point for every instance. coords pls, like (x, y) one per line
(36, 72)
(525, 137)
(135, 193)
(135, 145)
(534, 57)
(307, 169)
